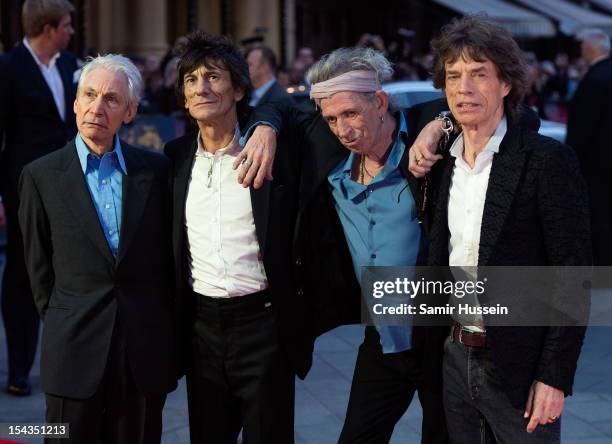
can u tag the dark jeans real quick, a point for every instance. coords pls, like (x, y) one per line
(240, 377)
(383, 387)
(477, 409)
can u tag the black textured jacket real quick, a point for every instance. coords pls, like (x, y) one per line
(535, 214)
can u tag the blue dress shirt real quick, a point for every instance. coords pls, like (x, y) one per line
(380, 224)
(104, 177)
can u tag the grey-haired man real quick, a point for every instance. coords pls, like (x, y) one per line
(96, 223)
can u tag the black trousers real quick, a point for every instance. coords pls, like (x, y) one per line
(116, 414)
(383, 387)
(239, 378)
(21, 320)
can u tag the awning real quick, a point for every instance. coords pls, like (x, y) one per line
(519, 21)
(572, 18)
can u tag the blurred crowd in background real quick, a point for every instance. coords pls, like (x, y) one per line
(551, 82)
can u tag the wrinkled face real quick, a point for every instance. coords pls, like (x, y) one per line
(210, 95)
(102, 105)
(474, 92)
(61, 35)
(354, 119)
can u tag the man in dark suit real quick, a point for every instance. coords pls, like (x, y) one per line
(587, 133)
(262, 71)
(245, 333)
(96, 223)
(37, 89)
(355, 192)
(506, 197)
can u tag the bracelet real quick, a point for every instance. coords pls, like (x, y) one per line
(447, 123)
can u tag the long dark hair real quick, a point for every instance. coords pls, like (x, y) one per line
(477, 37)
(202, 49)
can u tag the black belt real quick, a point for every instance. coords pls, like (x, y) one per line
(236, 305)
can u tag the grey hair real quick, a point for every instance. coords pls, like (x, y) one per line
(350, 59)
(116, 63)
(597, 38)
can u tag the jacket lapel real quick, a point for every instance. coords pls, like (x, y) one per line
(183, 164)
(39, 80)
(78, 200)
(439, 234)
(503, 181)
(323, 156)
(135, 195)
(260, 201)
(67, 82)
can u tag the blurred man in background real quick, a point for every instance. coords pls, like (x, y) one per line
(37, 89)
(262, 71)
(587, 133)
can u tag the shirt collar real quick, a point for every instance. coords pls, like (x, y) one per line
(83, 152)
(36, 59)
(343, 171)
(492, 145)
(258, 93)
(232, 147)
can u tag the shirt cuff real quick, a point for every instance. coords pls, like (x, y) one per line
(249, 132)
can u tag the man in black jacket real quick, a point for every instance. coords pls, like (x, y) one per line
(243, 318)
(355, 194)
(506, 197)
(587, 133)
(96, 222)
(37, 89)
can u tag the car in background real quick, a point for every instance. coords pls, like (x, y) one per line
(407, 93)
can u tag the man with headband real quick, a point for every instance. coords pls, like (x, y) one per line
(360, 207)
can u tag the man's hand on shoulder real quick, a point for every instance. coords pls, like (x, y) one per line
(422, 155)
(257, 157)
(544, 405)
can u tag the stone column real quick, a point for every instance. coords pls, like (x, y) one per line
(148, 20)
(251, 16)
(209, 16)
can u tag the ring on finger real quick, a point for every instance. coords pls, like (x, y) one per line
(552, 418)
(418, 160)
(247, 162)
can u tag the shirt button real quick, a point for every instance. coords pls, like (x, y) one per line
(373, 256)
(104, 182)
(107, 206)
(372, 222)
(110, 231)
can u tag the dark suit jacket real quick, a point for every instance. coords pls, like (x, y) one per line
(324, 267)
(274, 94)
(29, 119)
(535, 213)
(589, 118)
(274, 212)
(587, 132)
(81, 291)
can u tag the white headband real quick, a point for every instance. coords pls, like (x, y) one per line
(353, 81)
